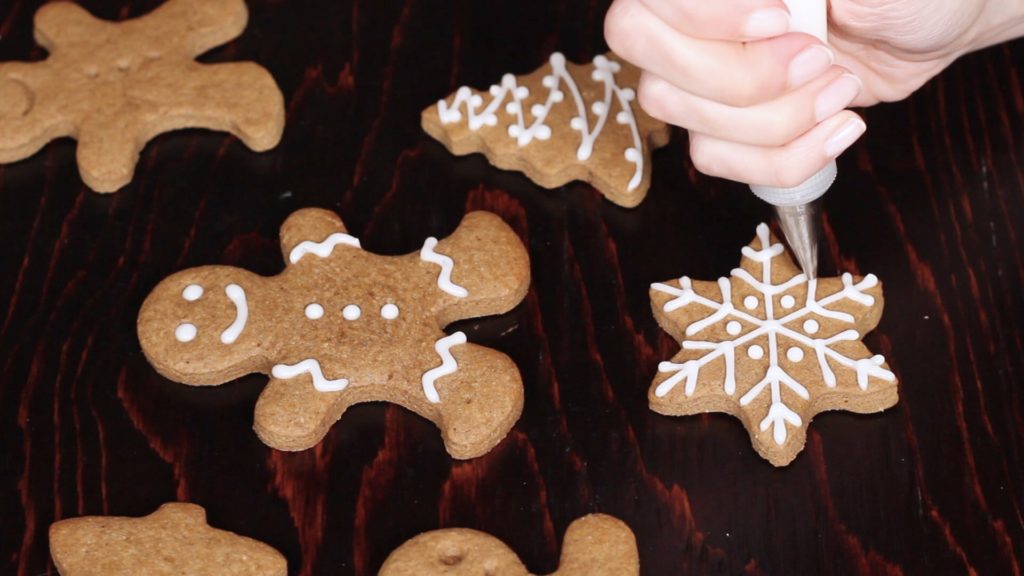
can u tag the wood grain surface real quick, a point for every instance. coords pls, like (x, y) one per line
(932, 201)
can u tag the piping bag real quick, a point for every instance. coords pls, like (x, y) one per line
(798, 209)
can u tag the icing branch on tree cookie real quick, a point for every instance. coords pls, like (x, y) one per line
(341, 326)
(115, 85)
(771, 347)
(554, 125)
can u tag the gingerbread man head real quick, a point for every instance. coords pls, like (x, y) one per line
(341, 325)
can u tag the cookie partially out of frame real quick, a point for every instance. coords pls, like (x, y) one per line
(595, 545)
(342, 326)
(173, 541)
(771, 348)
(113, 86)
(562, 122)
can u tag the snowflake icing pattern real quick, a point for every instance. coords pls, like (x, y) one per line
(749, 350)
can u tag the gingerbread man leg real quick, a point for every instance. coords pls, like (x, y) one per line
(199, 24)
(599, 545)
(65, 22)
(108, 148)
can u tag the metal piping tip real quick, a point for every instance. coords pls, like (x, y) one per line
(801, 224)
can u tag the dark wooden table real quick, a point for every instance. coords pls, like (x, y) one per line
(932, 201)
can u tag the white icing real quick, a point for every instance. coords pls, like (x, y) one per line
(444, 279)
(323, 248)
(314, 311)
(448, 364)
(312, 367)
(351, 312)
(185, 332)
(750, 302)
(192, 292)
(771, 328)
(604, 72)
(733, 327)
(389, 311)
(237, 296)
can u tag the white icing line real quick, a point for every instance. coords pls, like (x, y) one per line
(237, 296)
(444, 279)
(323, 248)
(604, 72)
(312, 367)
(448, 364)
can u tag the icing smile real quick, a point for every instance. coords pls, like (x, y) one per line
(237, 297)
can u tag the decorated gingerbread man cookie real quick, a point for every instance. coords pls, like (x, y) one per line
(595, 545)
(341, 326)
(115, 85)
(771, 348)
(172, 541)
(562, 122)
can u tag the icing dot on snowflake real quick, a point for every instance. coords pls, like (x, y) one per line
(795, 354)
(755, 352)
(352, 312)
(750, 302)
(811, 326)
(733, 328)
(314, 311)
(192, 292)
(787, 301)
(389, 311)
(185, 332)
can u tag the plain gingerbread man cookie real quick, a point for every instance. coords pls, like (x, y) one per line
(172, 541)
(113, 86)
(341, 326)
(771, 347)
(595, 545)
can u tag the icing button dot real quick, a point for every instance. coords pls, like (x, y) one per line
(192, 292)
(811, 326)
(185, 332)
(733, 328)
(755, 352)
(389, 311)
(352, 312)
(314, 311)
(750, 302)
(795, 354)
(787, 301)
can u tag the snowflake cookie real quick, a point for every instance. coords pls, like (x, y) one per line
(115, 85)
(595, 545)
(172, 541)
(562, 122)
(771, 348)
(341, 325)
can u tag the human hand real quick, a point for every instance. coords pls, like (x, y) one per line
(769, 108)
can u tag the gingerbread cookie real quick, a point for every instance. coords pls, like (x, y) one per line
(172, 541)
(595, 545)
(114, 86)
(771, 348)
(341, 325)
(562, 122)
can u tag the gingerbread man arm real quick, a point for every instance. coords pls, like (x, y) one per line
(198, 25)
(25, 124)
(61, 22)
(208, 325)
(304, 230)
(487, 261)
(599, 545)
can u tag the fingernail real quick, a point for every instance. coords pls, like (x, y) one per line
(836, 96)
(766, 23)
(844, 137)
(809, 64)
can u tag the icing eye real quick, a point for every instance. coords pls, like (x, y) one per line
(314, 311)
(353, 312)
(185, 332)
(192, 292)
(795, 354)
(389, 312)
(787, 301)
(811, 326)
(733, 328)
(755, 352)
(750, 302)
